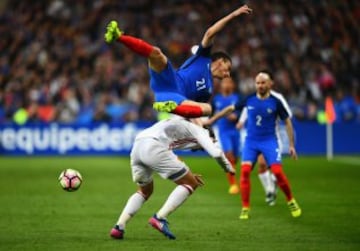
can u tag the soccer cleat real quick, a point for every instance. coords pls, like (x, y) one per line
(234, 189)
(117, 233)
(112, 32)
(294, 208)
(167, 106)
(244, 215)
(162, 226)
(270, 199)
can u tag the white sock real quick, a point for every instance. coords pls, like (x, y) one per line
(133, 205)
(267, 182)
(175, 199)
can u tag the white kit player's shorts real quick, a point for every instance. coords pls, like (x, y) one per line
(149, 155)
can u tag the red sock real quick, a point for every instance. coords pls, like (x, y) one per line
(231, 177)
(245, 184)
(188, 111)
(282, 180)
(137, 45)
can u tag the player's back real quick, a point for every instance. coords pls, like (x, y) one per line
(176, 133)
(263, 115)
(194, 76)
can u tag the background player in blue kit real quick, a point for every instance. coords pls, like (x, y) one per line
(184, 91)
(263, 111)
(228, 134)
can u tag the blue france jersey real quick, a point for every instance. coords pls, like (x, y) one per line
(218, 103)
(194, 77)
(262, 116)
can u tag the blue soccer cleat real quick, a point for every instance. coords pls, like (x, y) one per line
(162, 226)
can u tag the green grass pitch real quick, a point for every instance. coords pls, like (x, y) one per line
(36, 214)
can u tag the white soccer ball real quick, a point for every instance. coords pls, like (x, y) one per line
(70, 180)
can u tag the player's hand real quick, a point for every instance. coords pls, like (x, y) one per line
(292, 152)
(199, 179)
(242, 10)
(239, 125)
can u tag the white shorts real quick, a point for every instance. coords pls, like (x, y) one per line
(149, 155)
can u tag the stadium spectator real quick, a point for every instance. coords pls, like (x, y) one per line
(312, 45)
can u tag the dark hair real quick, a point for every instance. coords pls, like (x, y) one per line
(220, 55)
(268, 73)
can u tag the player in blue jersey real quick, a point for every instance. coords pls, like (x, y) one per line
(264, 109)
(186, 90)
(228, 134)
(267, 179)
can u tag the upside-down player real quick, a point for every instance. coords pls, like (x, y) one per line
(186, 90)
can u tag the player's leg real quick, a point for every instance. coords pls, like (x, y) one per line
(169, 100)
(168, 166)
(193, 109)
(132, 206)
(272, 155)
(235, 150)
(267, 180)
(186, 185)
(227, 140)
(249, 156)
(234, 188)
(142, 176)
(157, 60)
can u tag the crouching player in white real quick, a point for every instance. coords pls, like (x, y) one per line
(152, 152)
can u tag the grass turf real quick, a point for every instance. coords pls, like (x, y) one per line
(35, 214)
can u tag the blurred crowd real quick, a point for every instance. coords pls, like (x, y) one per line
(55, 66)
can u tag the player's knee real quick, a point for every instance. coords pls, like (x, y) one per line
(262, 167)
(206, 109)
(146, 193)
(245, 170)
(157, 58)
(276, 169)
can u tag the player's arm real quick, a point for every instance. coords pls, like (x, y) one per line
(224, 112)
(214, 150)
(286, 114)
(242, 119)
(290, 133)
(219, 25)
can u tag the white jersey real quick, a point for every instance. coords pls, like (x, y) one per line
(178, 133)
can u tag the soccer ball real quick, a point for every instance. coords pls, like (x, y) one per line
(70, 180)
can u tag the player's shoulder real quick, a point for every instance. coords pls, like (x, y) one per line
(276, 94)
(278, 97)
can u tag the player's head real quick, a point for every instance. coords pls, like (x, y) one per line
(263, 83)
(227, 85)
(220, 65)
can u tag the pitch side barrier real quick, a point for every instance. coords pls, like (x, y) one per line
(117, 139)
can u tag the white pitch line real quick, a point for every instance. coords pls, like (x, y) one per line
(348, 160)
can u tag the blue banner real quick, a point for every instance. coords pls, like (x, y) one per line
(110, 139)
(57, 139)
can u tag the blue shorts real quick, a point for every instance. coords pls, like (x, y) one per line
(230, 141)
(269, 148)
(165, 86)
